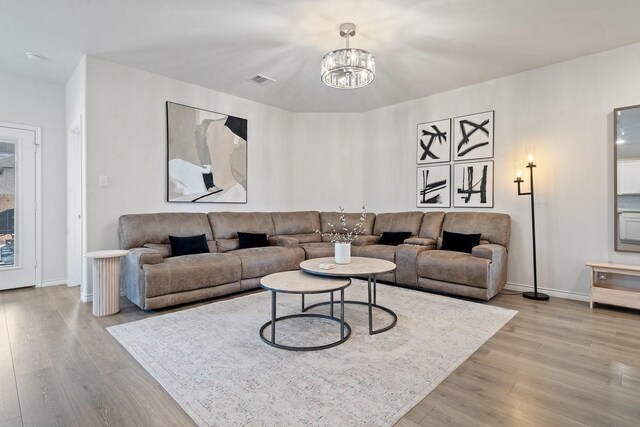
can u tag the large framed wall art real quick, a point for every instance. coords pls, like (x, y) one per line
(206, 155)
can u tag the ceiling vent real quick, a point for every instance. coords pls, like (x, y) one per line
(261, 80)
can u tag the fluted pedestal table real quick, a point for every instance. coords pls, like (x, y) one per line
(106, 281)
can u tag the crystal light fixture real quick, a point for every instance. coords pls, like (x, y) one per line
(348, 68)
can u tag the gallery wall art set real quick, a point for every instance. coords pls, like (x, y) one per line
(468, 140)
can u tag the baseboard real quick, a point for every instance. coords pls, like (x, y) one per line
(551, 292)
(55, 282)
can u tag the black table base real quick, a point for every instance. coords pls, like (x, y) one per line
(344, 326)
(371, 304)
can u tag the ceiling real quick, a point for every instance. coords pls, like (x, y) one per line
(421, 47)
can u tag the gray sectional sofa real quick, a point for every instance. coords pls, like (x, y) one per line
(153, 278)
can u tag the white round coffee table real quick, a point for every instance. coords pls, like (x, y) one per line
(358, 267)
(297, 282)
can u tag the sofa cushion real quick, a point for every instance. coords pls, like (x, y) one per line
(299, 225)
(455, 267)
(385, 252)
(459, 242)
(431, 225)
(137, 229)
(188, 245)
(162, 249)
(394, 238)
(318, 250)
(258, 262)
(189, 272)
(493, 227)
(352, 219)
(225, 227)
(252, 240)
(398, 221)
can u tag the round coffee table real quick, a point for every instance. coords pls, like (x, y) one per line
(358, 267)
(297, 282)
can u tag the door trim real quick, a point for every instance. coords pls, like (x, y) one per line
(37, 130)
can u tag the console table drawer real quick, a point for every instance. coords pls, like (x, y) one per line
(623, 298)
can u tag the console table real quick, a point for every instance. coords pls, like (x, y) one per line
(619, 295)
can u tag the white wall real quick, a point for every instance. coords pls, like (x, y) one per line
(75, 113)
(38, 103)
(296, 161)
(566, 111)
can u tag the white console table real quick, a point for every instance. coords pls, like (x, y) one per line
(623, 296)
(106, 281)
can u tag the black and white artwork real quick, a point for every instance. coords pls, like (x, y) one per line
(473, 136)
(207, 156)
(473, 185)
(433, 186)
(434, 142)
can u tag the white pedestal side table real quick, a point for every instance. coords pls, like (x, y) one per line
(106, 281)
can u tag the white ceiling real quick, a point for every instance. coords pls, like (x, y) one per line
(421, 47)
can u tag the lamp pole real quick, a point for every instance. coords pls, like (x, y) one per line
(535, 295)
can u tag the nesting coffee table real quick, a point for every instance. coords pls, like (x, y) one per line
(297, 282)
(358, 267)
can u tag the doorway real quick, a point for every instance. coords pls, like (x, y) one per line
(19, 210)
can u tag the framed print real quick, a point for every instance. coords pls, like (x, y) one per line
(473, 136)
(206, 155)
(433, 186)
(473, 185)
(434, 142)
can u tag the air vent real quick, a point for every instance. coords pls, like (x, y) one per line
(261, 80)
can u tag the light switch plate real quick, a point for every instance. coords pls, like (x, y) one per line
(103, 181)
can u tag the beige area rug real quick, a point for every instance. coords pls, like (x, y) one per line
(213, 363)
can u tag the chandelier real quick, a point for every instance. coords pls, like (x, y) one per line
(348, 68)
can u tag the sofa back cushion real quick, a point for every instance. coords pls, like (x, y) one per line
(225, 227)
(135, 230)
(352, 219)
(431, 225)
(398, 221)
(493, 227)
(299, 225)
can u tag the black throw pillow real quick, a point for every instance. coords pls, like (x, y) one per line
(459, 242)
(394, 238)
(252, 240)
(189, 245)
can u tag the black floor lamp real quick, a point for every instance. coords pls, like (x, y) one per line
(535, 294)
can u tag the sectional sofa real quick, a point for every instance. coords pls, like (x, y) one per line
(153, 278)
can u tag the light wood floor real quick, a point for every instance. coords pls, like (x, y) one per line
(556, 363)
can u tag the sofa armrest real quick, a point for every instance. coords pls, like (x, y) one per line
(132, 274)
(365, 240)
(421, 241)
(489, 251)
(498, 255)
(287, 242)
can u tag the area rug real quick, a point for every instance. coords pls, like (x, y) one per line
(213, 363)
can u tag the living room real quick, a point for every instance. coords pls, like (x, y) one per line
(551, 72)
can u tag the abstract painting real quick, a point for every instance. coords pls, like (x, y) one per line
(434, 142)
(207, 156)
(473, 185)
(433, 186)
(473, 136)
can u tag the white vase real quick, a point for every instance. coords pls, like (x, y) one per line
(343, 253)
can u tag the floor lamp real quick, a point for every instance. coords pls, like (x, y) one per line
(530, 165)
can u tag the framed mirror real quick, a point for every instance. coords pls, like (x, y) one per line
(626, 155)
